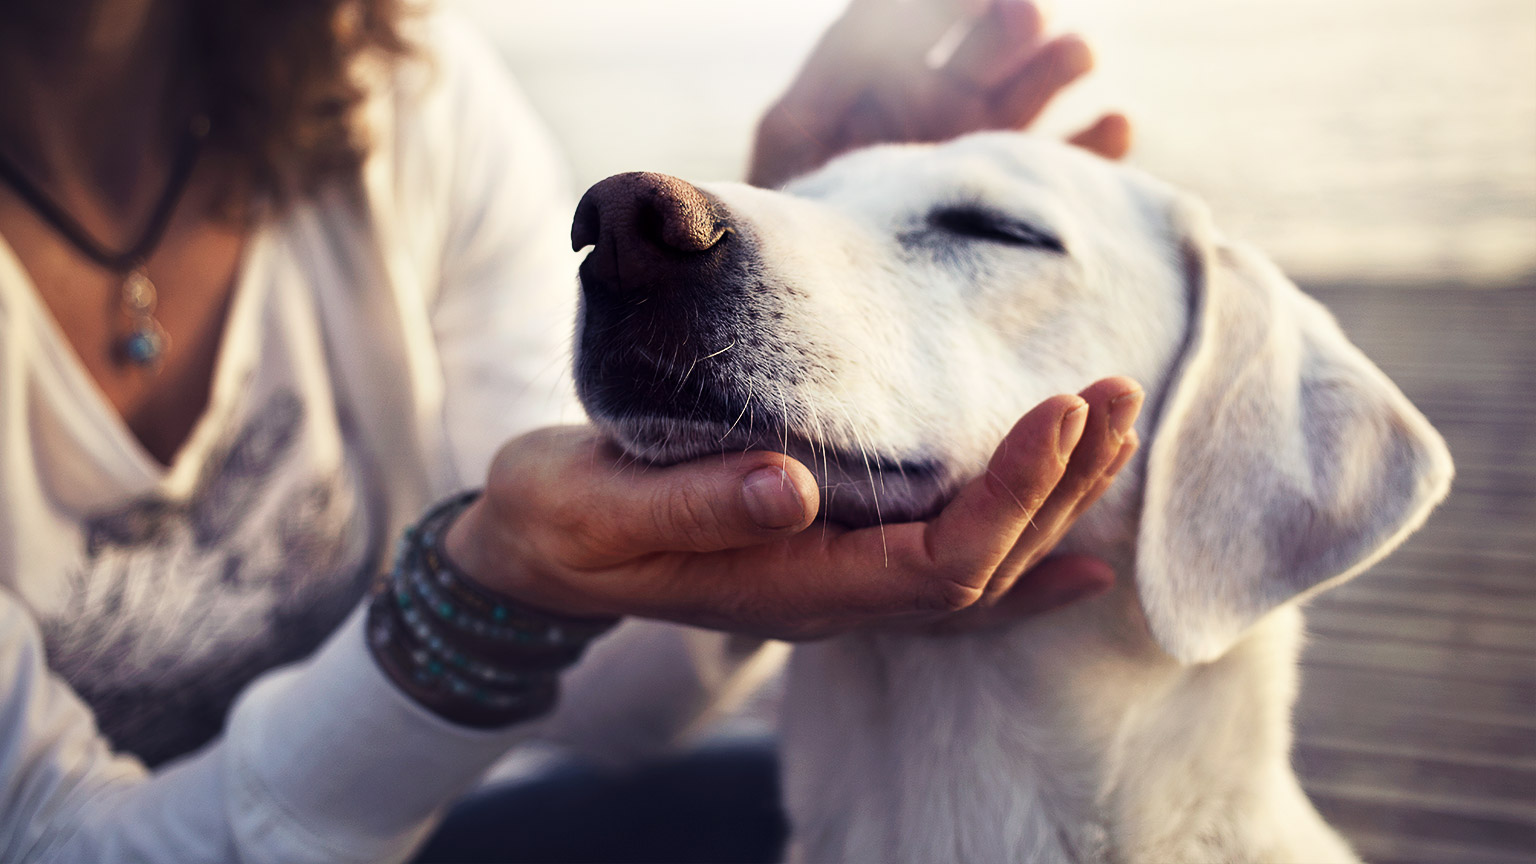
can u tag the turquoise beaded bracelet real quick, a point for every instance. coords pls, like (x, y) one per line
(464, 652)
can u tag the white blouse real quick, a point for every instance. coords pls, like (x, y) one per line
(381, 344)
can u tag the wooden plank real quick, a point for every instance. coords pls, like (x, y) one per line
(1415, 818)
(1412, 574)
(1441, 602)
(1380, 848)
(1516, 667)
(1456, 528)
(1486, 784)
(1391, 747)
(1367, 621)
(1469, 737)
(1332, 685)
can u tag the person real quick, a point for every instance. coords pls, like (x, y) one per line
(273, 279)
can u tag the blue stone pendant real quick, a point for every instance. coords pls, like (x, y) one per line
(145, 344)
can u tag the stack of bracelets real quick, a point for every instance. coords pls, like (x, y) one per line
(468, 655)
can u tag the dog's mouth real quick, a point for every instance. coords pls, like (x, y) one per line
(859, 487)
(663, 416)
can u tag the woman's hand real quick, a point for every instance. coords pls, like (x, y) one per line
(568, 524)
(869, 81)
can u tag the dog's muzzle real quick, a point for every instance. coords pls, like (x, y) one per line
(668, 283)
(681, 348)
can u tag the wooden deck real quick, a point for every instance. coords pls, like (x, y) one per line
(1416, 730)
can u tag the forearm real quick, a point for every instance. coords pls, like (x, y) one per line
(323, 761)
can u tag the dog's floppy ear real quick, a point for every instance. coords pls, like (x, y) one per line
(1283, 461)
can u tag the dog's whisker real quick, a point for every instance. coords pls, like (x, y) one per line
(1030, 519)
(819, 438)
(718, 353)
(683, 381)
(874, 493)
(744, 406)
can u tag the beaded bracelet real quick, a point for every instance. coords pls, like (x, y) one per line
(462, 651)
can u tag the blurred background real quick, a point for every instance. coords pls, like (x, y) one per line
(1384, 152)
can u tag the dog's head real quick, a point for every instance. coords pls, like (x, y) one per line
(886, 319)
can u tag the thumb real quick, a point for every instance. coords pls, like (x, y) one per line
(712, 504)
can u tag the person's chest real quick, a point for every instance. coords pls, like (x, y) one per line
(191, 273)
(163, 589)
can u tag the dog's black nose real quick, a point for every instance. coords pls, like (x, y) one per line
(647, 231)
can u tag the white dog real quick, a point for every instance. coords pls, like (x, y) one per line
(886, 320)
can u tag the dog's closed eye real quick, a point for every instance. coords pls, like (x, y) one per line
(980, 223)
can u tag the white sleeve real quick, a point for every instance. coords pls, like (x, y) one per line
(325, 761)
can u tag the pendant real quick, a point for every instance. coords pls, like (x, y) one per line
(146, 342)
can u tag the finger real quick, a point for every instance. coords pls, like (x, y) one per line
(701, 506)
(967, 8)
(998, 45)
(1057, 63)
(1015, 572)
(1127, 449)
(1109, 136)
(1113, 405)
(910, 26)
(1053, 583)
(975, 532)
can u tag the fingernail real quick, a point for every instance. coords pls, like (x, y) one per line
(1123, 410)
(1071, 430)
(1127, 450)
(772, 501)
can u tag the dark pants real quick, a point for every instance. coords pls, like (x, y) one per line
(719, 804)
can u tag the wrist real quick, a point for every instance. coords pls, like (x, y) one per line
(466, 544)
(477, 547)
(419, 673)
(468, 654)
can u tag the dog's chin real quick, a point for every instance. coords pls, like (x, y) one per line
(857, 489)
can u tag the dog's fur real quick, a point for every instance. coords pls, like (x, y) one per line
(886, 320)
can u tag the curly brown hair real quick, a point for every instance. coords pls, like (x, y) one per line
(281, 83)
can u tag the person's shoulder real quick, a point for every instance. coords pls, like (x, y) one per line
(455, 149)
(453, 75)
(449, 101)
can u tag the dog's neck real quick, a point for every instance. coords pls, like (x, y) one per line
(1069, 738)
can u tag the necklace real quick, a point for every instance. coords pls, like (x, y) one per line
(145, 343)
